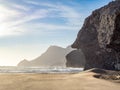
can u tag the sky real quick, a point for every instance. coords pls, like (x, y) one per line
(29, 27)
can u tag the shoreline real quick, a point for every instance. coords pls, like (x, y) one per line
(54, 81)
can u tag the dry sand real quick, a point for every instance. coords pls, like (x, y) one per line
(79, 81)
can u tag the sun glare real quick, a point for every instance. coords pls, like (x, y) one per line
(3, 30)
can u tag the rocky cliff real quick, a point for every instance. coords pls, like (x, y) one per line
(99, 38)
(54, 56)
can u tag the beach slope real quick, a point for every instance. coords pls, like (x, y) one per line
(81, 81)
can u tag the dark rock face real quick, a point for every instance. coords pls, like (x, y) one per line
(99, 38)
(75, 59)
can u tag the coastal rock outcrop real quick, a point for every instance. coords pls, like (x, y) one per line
(24, 62)
(75, 59)
(99, 38)
(54, 56)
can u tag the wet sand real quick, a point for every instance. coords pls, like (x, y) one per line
(80, 81)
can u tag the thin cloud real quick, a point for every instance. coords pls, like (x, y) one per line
(7, 13)
(12, 18)
(46, 4)
(31, 2)
(17, 18)
(45, 28)
(20, 7)
(69, 13)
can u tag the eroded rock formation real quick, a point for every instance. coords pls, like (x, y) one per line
(99, 38)
(75, 59)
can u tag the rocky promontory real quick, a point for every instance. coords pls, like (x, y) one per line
(99, 38)
(54, 56)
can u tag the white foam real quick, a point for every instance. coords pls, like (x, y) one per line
(39, 70)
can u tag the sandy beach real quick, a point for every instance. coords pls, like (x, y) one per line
(80, 81)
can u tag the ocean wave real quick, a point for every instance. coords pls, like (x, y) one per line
(39, 70)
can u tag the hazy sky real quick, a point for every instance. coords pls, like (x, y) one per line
(29, 27)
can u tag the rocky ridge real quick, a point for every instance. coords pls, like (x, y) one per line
(54, 56)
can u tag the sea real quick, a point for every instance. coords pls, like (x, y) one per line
(13, 69)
